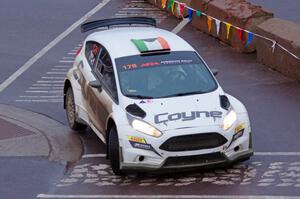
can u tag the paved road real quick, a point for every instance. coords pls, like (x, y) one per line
(272, 100)
(285, 9)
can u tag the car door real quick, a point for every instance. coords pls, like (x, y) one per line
(101, 100)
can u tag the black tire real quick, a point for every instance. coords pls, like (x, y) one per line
(114, 151)
(71, 114)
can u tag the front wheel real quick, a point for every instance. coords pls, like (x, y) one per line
(71, 112)
(114, 151)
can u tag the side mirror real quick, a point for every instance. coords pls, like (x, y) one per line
(96, 84)
(215, 72)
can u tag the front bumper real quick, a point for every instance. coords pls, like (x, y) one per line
(155, 159)
(192, 162)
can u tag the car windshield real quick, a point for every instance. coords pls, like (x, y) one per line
(164, 75)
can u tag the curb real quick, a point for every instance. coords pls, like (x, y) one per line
(49, 138)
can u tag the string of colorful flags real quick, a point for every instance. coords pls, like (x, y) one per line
(240, 31)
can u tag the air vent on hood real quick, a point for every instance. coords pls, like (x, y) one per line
(225, 104)
(135, 110)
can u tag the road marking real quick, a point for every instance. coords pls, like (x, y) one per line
(39, 81)
(168, 196)
(66, 61)
(62, 66)
(277, 153)
(181, 25)
(53, 77)
(49, 96)
(101, 155)
(42, 52)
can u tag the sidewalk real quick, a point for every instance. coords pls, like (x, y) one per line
(28, 134)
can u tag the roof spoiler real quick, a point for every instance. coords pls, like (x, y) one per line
(117, 21)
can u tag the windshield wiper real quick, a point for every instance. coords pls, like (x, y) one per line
(184, 94)
(139, 96)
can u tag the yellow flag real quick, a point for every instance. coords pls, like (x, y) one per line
(228, 26)
(173, 7)
(163, 3)
(209, 21)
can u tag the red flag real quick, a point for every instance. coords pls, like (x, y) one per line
(240, 33)
(182, 6)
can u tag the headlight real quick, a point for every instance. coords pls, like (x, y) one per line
(145, 128)
(229, 120)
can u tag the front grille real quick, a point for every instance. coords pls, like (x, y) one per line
(194, 142)
(194, 160)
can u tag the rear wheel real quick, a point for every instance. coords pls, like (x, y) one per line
(71, 112)
(114, 151)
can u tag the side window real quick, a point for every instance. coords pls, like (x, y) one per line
(104, 70)
(91, 52)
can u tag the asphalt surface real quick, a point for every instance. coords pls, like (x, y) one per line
(272, 100)
(284, 9)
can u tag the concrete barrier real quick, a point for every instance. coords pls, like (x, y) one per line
(237, 12)
(286, 33)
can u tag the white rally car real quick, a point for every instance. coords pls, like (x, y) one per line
(153, 100)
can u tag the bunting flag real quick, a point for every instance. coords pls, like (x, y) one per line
(182, 6)
(170, 4)
(209, 21)
(250, 39)
(163, 3)
(173, 7)
(218, 25)
(198, 13)
(228, 27)
(190, 14)
(240, 33)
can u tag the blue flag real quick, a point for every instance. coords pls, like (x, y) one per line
(190, 14)
(250, 39)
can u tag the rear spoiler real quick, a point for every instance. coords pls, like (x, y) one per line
(117, 21)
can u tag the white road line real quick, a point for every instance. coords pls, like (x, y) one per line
(42, 52)
(66, 61)
(54, 77)
(45, 88)
(41, 81)
(73, 58)
(62, 66)
(168, 196)
(60, 69)
(35, 96)
(101, 155)
(42, 100)
(277, 153)
(72, 53)
(47, 85)
(180, 26)
(57, 73)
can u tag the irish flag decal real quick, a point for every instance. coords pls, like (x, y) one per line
(150, 45)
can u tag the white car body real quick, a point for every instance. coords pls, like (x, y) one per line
(174, 116)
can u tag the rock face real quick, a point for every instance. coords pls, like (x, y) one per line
(239, 13)
(286, 33)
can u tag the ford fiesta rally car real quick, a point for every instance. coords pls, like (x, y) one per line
(153, 100)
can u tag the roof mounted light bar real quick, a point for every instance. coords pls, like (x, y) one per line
(117, 21)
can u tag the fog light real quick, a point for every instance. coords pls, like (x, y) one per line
(238, 135)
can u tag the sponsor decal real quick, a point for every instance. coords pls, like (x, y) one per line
(136, 139)
(240, 127)
(183, 116)
(134, 66)
(146, 101)
(140, 143)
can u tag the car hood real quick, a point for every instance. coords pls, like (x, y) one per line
(182, 112)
